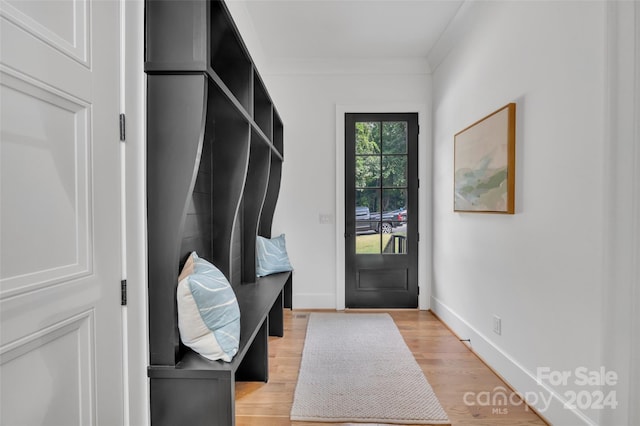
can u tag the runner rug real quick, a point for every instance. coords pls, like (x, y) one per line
(357, 368)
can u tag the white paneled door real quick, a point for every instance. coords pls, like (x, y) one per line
(60, 255)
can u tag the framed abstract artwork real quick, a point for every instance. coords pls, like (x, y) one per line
(484, 164)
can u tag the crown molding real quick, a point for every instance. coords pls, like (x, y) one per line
(353, 66)
(468, 13)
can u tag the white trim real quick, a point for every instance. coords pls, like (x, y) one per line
(620, 209)
(135, 314)
(543, 398)
(123, 217)
(425, 154)
(347, 66)
(454, 31)
(314, 300)
(634, 415)
(469, 12)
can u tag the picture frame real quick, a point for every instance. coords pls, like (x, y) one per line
(484, 164)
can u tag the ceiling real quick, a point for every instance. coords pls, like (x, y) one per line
(334, 30)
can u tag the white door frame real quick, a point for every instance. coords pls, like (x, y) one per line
(425, 155)
(635, 319)
(620, 294)
(135, 333)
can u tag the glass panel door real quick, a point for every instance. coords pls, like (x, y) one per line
(381, 210)
(381, 187)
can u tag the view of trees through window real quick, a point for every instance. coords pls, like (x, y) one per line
(381, 165)
(381, 186)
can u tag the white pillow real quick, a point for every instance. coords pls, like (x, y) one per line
(208, 312)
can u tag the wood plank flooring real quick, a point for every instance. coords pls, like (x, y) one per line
(450, 367)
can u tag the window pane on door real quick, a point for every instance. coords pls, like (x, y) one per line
(394, 137)
(394, 199)
(369, 198)
(367, 171)
(395, 202)
(367, 137)
(394, 171)
(368, 221)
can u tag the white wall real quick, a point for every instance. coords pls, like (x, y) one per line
(307, 103)
(543, 269)
(307, 94)
(558, 272)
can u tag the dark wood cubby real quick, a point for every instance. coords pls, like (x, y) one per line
(262, 107)
(181, 45)
(253, 200)
(273, 187)
(228, 56)
(214, 164)
(278, 133)
(269, 207)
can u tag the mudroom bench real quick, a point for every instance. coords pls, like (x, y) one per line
(214, 165)
(197, 391)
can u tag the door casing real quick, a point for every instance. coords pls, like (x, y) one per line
(381, 280)
(424, 197)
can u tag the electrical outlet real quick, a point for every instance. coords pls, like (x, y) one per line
(497, 325)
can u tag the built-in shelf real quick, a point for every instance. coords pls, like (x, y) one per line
(200, 35)
(278, 133)
(230, 136)
(255, 192)
(262, 107)
(228, 55)
(197, 235)
(273, 188)
(214, 164)
(181, 45)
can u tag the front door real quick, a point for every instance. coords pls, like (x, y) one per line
(61, 328)
(381, 216)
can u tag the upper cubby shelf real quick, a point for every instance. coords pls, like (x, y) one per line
(186, 36)
(228, 56)
(262, 107)
(176, 36)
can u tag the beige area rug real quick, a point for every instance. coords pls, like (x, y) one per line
(357, 368)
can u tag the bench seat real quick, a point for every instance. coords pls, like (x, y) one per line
(197, 391)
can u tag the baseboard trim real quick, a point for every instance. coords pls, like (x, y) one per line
(314, 301)
(542, 399)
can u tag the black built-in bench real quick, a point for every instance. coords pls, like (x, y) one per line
(197, 391)
(214, 163)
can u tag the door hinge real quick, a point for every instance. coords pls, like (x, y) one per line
(418, 183)
(418, 129)
(122, 128)
(123, 292)
(418, 290)
(418, 236)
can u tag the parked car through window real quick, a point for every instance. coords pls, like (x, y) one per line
(371, 222)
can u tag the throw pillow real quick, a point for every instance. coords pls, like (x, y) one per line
(271, 256)
(208, 312)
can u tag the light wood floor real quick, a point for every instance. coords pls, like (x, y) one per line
(450, 367)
